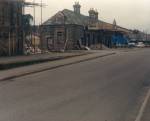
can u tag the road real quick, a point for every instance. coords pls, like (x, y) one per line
(103, 89)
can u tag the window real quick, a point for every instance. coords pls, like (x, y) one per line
(59, 36)
(50, 39)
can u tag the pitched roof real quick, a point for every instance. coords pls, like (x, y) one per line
(74, 18)
(107, 26)
(70, 18)
(79, 19)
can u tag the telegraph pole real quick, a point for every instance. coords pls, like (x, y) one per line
(41, 13)
(40, 27)
(34, 25)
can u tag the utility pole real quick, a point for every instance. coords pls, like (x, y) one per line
(41, 27)
(41, 13)
(34, 25)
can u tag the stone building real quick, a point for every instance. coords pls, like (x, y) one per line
(72, 30)
(11, 32)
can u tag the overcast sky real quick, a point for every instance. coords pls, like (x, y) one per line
(134, 14)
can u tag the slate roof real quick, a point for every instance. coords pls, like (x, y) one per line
(71, 18)
(79, 19)
(74, 18)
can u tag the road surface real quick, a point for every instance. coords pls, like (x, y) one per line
(103, 89)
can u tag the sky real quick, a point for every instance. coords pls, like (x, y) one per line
(131, 14)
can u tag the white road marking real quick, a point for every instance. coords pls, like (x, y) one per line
(142, 109)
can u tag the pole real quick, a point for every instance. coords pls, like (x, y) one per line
(34, 25)
(41, 13)
(23, 31)
(41, 27)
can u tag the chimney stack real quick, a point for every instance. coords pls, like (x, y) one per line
(77, 7)
(93, 14)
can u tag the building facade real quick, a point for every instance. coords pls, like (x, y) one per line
(72, 30)
(11, 31)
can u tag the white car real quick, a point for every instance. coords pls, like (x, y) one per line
(140, 45)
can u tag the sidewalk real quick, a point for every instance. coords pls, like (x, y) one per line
(26, 70)
(18, 61)
(11, 62)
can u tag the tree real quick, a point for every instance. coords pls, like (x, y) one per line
(27, 20)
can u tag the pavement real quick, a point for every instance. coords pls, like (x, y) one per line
(62, 60)
(99, 89)
(17, 61)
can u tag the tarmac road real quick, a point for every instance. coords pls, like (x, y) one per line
(104, 89)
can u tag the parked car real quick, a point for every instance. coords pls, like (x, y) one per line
(131, 44)
(140, 45)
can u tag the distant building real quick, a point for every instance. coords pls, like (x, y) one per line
(138, 36)
(71, 30)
